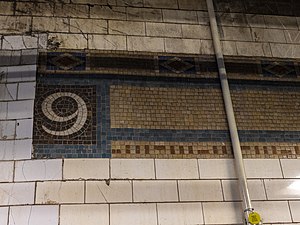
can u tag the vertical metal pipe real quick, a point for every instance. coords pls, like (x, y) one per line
(239, 164)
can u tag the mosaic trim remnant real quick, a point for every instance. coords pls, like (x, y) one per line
(184, 66)
(64, 115)
(152, 106)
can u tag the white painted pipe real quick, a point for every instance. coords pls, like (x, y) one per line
(239, 164)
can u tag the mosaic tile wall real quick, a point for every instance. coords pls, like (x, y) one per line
(106, 106)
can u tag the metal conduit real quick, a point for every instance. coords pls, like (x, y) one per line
(239, 164)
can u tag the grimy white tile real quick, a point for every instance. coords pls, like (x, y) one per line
(84, 214)
(34, 170)
(54, 192)
(7, 171)
(16, 193)
(26, 90)
(7, 129)
(200, 190)
(24, 128)
(3, 215)
(109, 191)
(295, 210)
(273, 211)
(282, 189)
(15, 149)
(176, 169)
(290, 168)
(33, 215)
(20, 109)
(222, 212)
(262, 168)
(86, 169)
(216, 168)
(231, 190)
(133, 214)
(132, 169)
(155, 191)
(179, 213)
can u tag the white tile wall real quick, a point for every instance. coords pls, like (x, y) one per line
(16, 193)
(86, 169)
(133, 214)
(15, 149)
(53, 192)
(176, 169)
(155, 191)
(7, 129)
(179, 213)
(231, 190)
(200, 190)
(33, 170)
(216, 168)
(84, 214)
(7, 171)
(20, 109)
(222, 212)
(21, 73)
(283, 189)
(24, 128)
(8, 92)
(3, 215)
(33, 215)
(295, 210)
(108, 191)
(290, 168)
(273, 211)
(263, 168)
(132, 169)
(26, 90)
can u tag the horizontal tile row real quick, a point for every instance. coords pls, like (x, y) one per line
(153, 214)
(118, 191)
(97, 169)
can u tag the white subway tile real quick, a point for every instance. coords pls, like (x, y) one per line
(216, 168)
(15, 149)
(3, 215)
(54, 192)
(179, 213)
(24, 128)
(33, 170)
(177, 45)
(273, 211)
(290, 168)
(16, 193)
(7, 171)
(155, 191)
(222, 212)
(26, 90)
(295, 210)
(133, 214)
(20, 109)
(151, 44)
(200, 190)
(132, 169)
(231, 190)
(262, 168)
(19, 42)
(7, 129)
(283, 189)
(84, 214)
(176, 169)
(86, 168)
(21, 73)
(108, 191)
(33, 215)
(107, 42)
(8, 92)
(3, 110)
